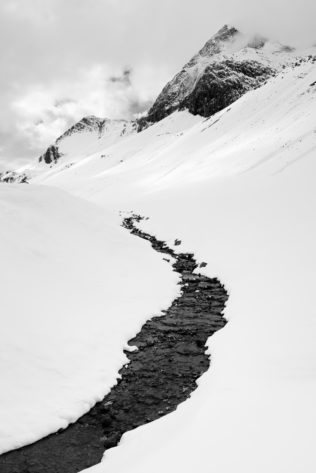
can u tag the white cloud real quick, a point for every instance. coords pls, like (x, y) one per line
(43, 113)
(34, 11)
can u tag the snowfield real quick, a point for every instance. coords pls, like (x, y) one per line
(239, 190)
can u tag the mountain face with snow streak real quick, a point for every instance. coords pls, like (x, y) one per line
(91, 130)
(227, 66)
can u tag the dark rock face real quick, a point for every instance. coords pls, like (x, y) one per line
(161, 373)
(51, 155)
(222, 83)
(212, 79)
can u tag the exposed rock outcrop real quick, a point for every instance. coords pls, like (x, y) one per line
(222, 83)
(51, 155)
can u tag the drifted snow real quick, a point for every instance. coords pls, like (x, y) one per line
(238, 189)
(75, 287)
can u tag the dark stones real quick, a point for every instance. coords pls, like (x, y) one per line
(161, 373)
(11, 177)
(51, 155)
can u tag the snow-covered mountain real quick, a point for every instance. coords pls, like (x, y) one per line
(272, 120)
(229, 65)
(234, 180)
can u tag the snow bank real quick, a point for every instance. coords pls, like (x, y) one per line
(74, 288)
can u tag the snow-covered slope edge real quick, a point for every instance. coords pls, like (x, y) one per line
(75, 287)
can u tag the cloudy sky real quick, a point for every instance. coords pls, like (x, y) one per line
(63, 59)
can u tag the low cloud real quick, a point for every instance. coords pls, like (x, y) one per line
(42, 113)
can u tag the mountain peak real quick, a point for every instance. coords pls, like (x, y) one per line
(224, 37)
(227, 31)
(228, 65)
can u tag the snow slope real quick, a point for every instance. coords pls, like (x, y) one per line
(239, 190)
(74, 288)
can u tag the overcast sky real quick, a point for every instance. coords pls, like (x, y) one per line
(63, 59)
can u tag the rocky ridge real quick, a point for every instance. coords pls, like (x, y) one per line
(89, 124)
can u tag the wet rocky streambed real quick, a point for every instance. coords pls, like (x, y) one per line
(161, 373)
